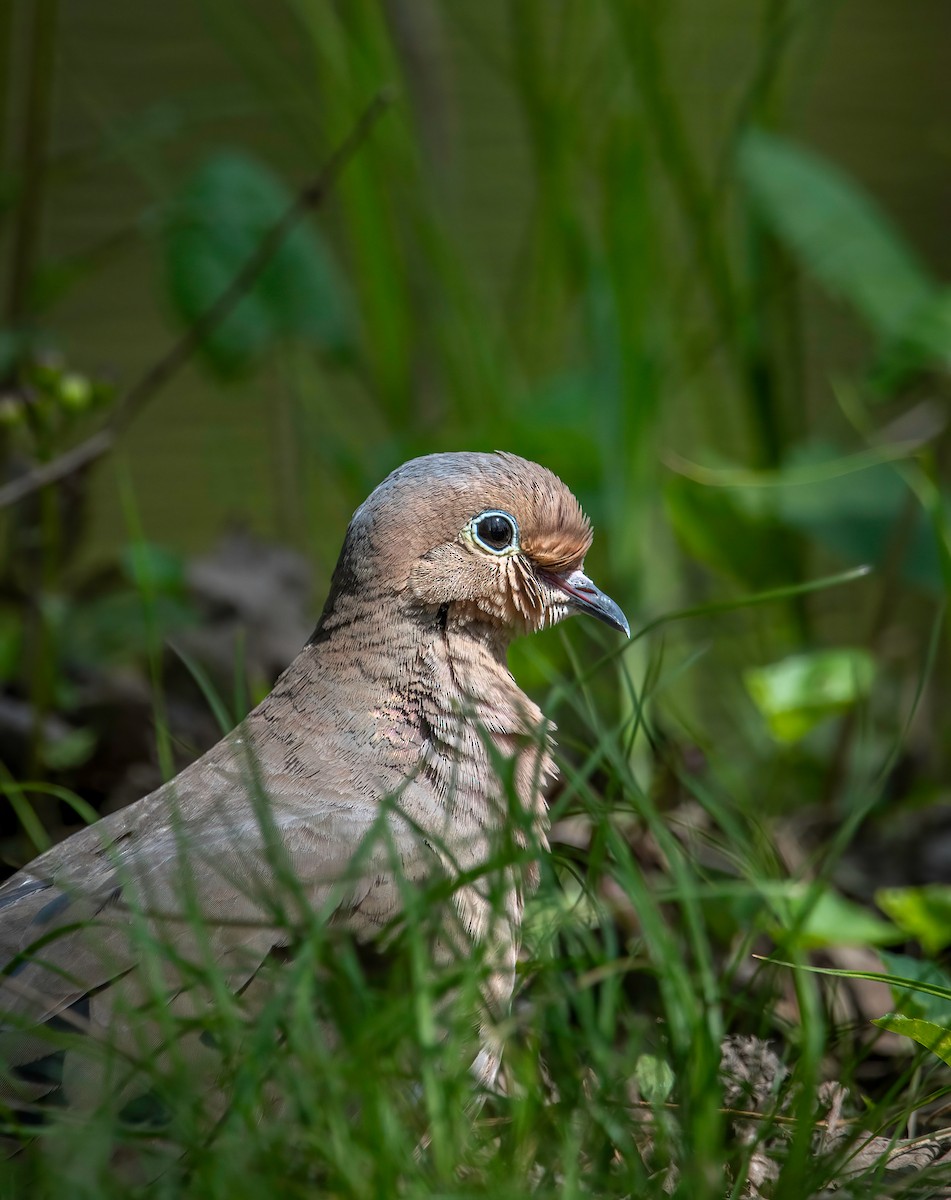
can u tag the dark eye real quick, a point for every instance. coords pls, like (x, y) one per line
(495, 530)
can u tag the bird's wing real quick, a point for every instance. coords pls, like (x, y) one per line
(206, 874)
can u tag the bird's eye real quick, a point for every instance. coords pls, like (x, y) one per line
(495, 531)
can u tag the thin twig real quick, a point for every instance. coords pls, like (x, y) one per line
(158, 375)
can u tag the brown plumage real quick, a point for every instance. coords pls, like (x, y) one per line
(399, 709)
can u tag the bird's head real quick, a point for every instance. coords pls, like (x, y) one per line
(482, 539)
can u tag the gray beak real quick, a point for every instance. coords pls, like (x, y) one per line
(584, 597)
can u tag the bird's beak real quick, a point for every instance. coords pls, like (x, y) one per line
(584, 597)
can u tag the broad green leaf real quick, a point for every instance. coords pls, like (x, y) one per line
(915, 1003)
(856, 505)
(924, 913)
(798, 692)
(936, 1038)
(214, 228)
(857, 516)
(820, 917)
(838, 233)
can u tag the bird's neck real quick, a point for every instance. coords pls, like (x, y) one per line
(430, 685)
(443, 661)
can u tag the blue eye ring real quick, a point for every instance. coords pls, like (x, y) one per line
(495, 530)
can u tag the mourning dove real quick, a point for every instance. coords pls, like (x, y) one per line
(381, 756)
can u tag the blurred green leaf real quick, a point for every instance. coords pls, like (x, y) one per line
(654, 1078)
(932, 330)
(820, 917)
(863, 511)
(928, 340)
(570, 906)
(153, 569)
(915, 1003)
(923, 913)
(220, 218)
(115, 628)
(857, 516)
(936, 1038)
(69, 751)
(838, 233)
(718, 530)
(798, 692)
(550, 425)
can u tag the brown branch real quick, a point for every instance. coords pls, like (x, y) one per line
(310, 197)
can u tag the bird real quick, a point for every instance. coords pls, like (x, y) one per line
(394, 749)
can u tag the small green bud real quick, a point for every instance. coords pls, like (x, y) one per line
(74, 392)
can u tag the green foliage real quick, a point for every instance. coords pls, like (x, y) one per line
(838, 234)
(115, 628)
(213, 229)
(923, 913)
(814, 917)
(72, 750)
(934, 1005)
(794, 695)
(51, 396)
(865, 516)
(925, 1017)
(121, 624)
(654, 1078)
(935, 1038)
(717, 529)
(152, 569)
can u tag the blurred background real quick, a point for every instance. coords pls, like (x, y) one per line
(691, 256)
